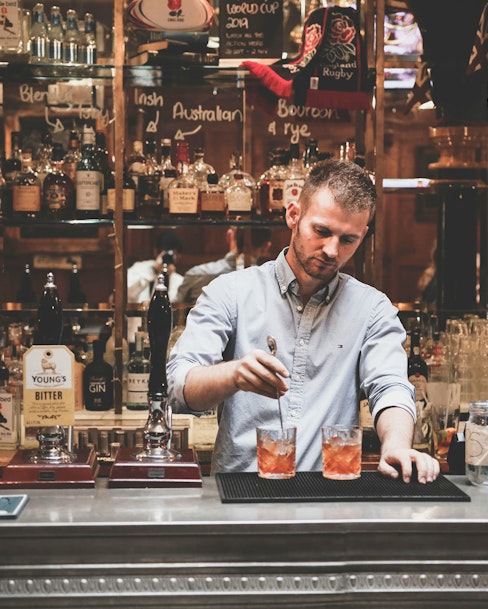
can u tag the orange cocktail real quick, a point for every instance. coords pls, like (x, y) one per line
(276, 450)
(341, 452)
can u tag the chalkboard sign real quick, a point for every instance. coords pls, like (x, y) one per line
(251, 30)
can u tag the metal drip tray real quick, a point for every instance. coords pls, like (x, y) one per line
(312, 486)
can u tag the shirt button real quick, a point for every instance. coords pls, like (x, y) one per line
(302, 342)
(296, 377)
(299, 308)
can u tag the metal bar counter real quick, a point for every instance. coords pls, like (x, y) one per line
(143, 548)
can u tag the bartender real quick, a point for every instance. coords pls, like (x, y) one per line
(336, 337)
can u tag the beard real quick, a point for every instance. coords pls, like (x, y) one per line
(317, 266)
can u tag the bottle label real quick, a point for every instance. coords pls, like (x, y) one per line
(128, 199)
(239, 201)
(137, 387)
(476, 444)
(8, 424)
(276, 195)
(10, 25)
(55, 197)
(26, 198)
(88, 190)
(291, 190)
(183, 200)
(213, 201)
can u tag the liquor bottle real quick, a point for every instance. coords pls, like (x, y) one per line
(39, 41)
(159, 325)
(295, 177)
(238, 198)
(44, 164)
(88, 44)
(200, 169)
(311, 154)
(418, 375)
(212, 198)
(75, 293)
(149, 186)
(11, 166)
(271, 183)
(88, 179)
(11, 38)
(183, 191)
(71, 41)
(101, 154)
(98, 378)
(58, 190)
(168, 173)
(55, 36)
(49, 322)
(136, 162)
(9, 412)
(72, 156)
(26, 294)
(128, 196)
(236, 166)
(26, 195)
(138, 370)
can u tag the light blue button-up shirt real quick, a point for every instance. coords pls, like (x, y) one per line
(346, 340)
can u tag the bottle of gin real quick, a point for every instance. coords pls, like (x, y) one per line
(138, 371)
(98, 377)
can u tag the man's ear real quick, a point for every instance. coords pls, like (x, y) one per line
(292, 214)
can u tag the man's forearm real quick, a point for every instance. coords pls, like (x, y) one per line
(395, 428)
(207, 386)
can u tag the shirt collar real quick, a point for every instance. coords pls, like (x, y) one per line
(288, 281)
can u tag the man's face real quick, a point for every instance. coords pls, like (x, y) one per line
(324, 237)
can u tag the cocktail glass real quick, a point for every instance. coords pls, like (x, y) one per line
(276, 451)
(341, 451)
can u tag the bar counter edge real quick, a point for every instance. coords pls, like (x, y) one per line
(148, 548)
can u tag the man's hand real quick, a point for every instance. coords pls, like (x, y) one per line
(261, 373)
(427, 467)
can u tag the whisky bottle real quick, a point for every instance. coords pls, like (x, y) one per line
(294, 178)
(136, 162)
(236, 166)
(10, 168)
(38, 37)
(26, 294)
(183, 193)
(200, 169)
(88, 44)
(9, 411)
(238, 198)
(58, 191)
(49, 322)
(44, 164)
(149, 188)
(128, 196)
(271, 184)
(26, 196)
(55, 38)
(168, 174)
(311, 155)
(138, 370)
(75, 293)
(98, 378)
(88, 180)
(159, 325)
(71, 40)
(212, 198)
(418, 375)
(72, 156)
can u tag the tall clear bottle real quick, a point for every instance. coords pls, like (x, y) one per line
(88, 179)
(88, 43)
(55, 36)
(72, 39)
(44, 164)
(200, 169)
(183, 191)
(238, 199)
(271, 184)
(39, 40)
(26, 200)
(136, 162)
(168, 174)
(311, 155)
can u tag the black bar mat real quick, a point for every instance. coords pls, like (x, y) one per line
(247, 487)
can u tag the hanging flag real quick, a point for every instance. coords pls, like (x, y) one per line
(478, 59)
(421, 92)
